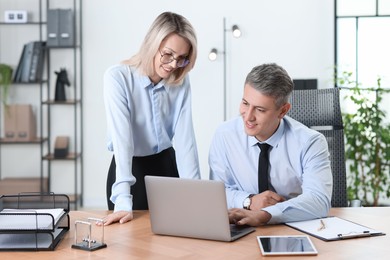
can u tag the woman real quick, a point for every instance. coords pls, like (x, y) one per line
(148, 104)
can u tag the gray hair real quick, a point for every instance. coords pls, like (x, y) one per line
(271, 80)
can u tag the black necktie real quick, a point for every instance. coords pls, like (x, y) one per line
(263, 167)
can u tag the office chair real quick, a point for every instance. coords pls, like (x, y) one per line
(320, 110)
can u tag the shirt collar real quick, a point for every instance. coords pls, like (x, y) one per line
(146, 82)
(274, 139)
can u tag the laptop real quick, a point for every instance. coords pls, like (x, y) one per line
(190, 208)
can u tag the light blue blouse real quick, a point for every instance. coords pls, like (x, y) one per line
(299, 168)
(144, 119)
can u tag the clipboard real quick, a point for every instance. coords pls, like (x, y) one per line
(334, 228)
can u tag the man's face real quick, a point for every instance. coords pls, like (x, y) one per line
(260, 114)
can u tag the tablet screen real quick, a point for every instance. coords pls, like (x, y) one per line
(286, 245)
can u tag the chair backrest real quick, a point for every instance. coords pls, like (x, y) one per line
(320, 109)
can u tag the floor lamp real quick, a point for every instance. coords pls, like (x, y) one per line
(236, 32)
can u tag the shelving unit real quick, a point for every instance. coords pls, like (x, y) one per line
(54, 118)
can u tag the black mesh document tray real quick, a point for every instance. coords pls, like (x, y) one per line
(32, 222)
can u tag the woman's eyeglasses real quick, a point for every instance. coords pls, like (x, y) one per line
(168, 58)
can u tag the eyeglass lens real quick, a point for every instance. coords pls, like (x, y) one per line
(168, 58)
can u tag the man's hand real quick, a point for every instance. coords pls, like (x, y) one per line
(248, 217)
(119, 216)
(265, 199)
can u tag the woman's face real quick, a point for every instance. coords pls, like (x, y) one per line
(173, 45)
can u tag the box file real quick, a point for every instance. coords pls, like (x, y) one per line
(66, 27)
(61, 147)
(60, 29)
(52, 27)
(19, 123)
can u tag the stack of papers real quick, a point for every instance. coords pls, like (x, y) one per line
(29, 219)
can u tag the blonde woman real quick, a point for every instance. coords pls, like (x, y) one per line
(148, 104)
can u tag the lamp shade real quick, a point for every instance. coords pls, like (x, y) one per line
(236, 31)
(213, 54)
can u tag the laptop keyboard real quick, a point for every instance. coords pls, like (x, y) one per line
(234, 233)
(236, 230)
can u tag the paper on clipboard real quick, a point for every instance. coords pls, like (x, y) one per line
(334, 228)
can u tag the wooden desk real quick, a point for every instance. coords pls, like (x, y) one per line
(134, 240)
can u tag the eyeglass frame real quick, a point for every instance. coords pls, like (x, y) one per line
(186, 61)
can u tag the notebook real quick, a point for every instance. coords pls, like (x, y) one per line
(190, 208)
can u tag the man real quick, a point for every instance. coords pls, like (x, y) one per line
(299, 185)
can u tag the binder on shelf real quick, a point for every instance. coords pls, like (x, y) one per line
(26, 62)
(35, 221)
(30, 67)
(18, 71)
(60, 29)
(37, 61)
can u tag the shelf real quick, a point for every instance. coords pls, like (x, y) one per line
(67, 102)
(19, 24)
(71, 156)
(37, 140)
(63, 47)
(9, 186)
(29, 83)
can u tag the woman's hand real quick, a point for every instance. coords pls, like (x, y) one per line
(119, 216)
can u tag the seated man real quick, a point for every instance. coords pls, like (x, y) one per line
(297, 183)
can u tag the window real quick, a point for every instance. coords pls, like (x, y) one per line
(362, 42)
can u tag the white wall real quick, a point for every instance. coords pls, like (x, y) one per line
(297, 34)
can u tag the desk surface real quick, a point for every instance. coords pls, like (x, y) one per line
(134, 240)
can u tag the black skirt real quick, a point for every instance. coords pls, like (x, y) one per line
(161, 164)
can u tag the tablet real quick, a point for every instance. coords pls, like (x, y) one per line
(286, 245)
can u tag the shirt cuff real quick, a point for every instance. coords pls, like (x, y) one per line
(124, 202)
(276, 214)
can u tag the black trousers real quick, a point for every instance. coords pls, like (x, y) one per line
(161, 164)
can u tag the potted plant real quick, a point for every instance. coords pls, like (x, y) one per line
(5, 81)
(367, 142)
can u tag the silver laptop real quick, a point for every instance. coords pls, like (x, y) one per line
(190, 208)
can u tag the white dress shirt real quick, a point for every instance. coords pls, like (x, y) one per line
(299, 168)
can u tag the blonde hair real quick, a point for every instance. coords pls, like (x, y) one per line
(165, 24)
